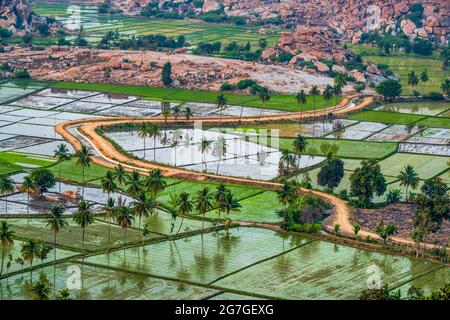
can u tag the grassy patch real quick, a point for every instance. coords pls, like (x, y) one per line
(386, 117)
(437, 122)
(347, 148)
(72, 172)
(14, 161)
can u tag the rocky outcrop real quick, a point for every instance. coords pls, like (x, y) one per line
(319, 43)
(349, 17)
(212, 5)
(15, 15)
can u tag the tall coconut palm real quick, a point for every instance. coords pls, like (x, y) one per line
(154, 132)
(231, 204)
(219, 198)
(340, 79)
(413, 80)
(120, 174)
(124, 219)
(221, 103)
(29, 251)
(176, 112)
(61, 153)
(143, 132)
(204, 147)
(445, 87)
(143, 206)
(28, 185)
(56, 223)
(134, 183)
(83, 217)
(300, 144)
(301, 100)
(108, 184)
(84, 159)
(408, 178)
(185, 206)
(287, 160)
(424, 79)
(7, 237)
(165, 113)
(188, 113)
(264, 96)
(176, 139)
(6, 187)
(314, 92)
(110, 209)
(220, 150)
(286, 194)
(337, 92)
(155, 182)
(203, 203)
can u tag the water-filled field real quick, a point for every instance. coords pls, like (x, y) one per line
(428, 108)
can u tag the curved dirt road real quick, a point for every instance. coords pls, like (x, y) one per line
(111, 157)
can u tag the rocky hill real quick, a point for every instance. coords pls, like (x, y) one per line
(15, 15)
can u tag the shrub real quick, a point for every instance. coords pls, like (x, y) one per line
(435, 96)
(226, 86)
(245, 83)
(22, 74)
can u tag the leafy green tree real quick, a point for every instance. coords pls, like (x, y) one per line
(6, 187)
(393, 196)
(366, 181)
(203, 203)
(389, 89)
(383, 293)
(409, 178)
(221, 103)
(7, 237)
(176, 111)
(434, 188)
(185, 206)
(385, 231)
(108, 184)
(83, 217)
(445, 87)
(166, 74)
(84, 159)
(63, 294)
(43, 179)
(356, 229)
(331, 173)
(230, 204)
(61, 153)
(413, 80)
(287, 193)
(300, 145)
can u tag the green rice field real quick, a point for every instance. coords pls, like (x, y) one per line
(95, 25)
(428, 108)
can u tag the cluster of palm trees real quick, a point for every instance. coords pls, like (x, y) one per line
(328, 93)
(414, 79)
(288, 162)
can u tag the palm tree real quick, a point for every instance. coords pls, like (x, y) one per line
(134, 183)
(176, 139)
(108, 184)
(314, 92)
(188, 113)
(176, 112)
(110, 209)
(61, 153)
(84, 159)
(445, 87)
(301, 100)
(155, 182)
(83, 217)
(413, 80)
(154, 132)
(221, 103)
(124, 219)
(6, 187)
(287, 159)
(286, 194)
(220, 149)
(230, 204)
(143, 206)
(29, 251)
(424, 78)
(120, 174)
(56, 223)
(219, 198)
(203, 203)
(28, 185)
(264, 96)
(185, 206)
(328, 93)
(408, 178)
(340, 80)
(337, 92)
(165, 113)
(300, 144)
(40, 290)
(204, 146)
(7, 237)
(143, 132)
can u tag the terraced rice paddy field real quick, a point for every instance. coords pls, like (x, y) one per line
(241, 263)
(96, 25)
